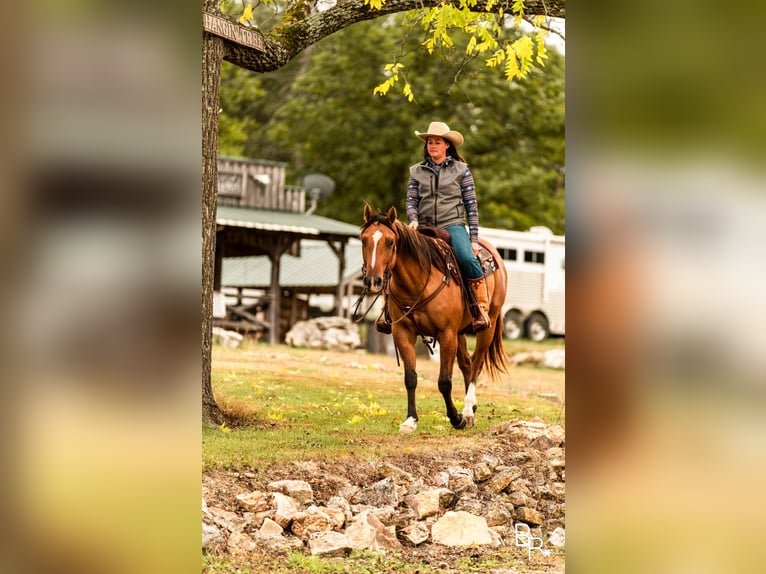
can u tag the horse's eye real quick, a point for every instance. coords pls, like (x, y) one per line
(364, 242)
(389, 243)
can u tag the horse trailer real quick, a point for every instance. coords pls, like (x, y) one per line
(534, 259)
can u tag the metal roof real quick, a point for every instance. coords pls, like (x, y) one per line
(287, 221)
(317, 266)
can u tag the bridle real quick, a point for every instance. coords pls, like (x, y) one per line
(419, 302)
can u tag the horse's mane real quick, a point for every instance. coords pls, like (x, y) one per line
(412, 244)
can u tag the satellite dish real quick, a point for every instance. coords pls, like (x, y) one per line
(319, 186)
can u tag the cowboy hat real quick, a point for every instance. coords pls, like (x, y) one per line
(440, 129)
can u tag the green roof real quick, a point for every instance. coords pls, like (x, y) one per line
(288, 221)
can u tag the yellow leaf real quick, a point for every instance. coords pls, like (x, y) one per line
(407, 91)
(247, 14)
(224, 428)
(356, 419)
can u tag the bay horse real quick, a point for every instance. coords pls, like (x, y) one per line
(424, 299)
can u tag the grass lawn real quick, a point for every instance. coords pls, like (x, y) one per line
(297, 404)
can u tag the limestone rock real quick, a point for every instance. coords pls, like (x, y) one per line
(240, 544)
(300, 490)
(329, 543)
(312, 520)
(255, 501)
(557, 537)
(382, 493)
(528, 515)
(211, 536)
(270, 528)
(425, 503)
(416, 533)
(367, 532)
(285, 509)
(462, 529)
(502, 480)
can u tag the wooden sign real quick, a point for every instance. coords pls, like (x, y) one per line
(231, 31)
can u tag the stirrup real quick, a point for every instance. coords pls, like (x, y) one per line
(383, 325)
(481, 322)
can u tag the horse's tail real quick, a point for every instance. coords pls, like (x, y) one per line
(496, 361)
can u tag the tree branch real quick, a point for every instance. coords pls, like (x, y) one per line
(298, 29)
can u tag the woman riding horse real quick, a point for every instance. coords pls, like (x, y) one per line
(426, 300)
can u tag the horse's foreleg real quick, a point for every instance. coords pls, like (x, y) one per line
(464, 362)
(410, 383)
(406, 346)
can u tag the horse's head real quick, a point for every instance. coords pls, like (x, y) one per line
(379, 238)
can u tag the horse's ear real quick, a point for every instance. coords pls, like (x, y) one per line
(367, 212)
(391, 214)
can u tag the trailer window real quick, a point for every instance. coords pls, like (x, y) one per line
(534, 257)
(507, 253)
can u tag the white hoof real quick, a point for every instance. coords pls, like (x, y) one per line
(408, 426)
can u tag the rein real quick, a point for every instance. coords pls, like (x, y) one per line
(446, 253)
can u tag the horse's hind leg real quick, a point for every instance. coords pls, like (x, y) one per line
(447, 352)
(464, 362)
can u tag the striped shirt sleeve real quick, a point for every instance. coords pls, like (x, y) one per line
(468, 190)
(413, 199)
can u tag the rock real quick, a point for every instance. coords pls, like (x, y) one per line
(416, 533)
(386, 469)
(270, 528)
(367, 532)
(425, 503)
(556, 434)
(557, 537)
(255, 501)
(332, 333)
(285, 509)
(481, 472)
(462, 529)
(300, 490)
(340, 503)
(469, 504)
(502, 480)
(211, 536)
(388, 515)
(554, 359)
(240, 544)
(498, 513)
(555, 457)
(329, 544)
(461, 480)
(312, 520)
(528, 515)
(517, 498)
(275, 544)
(225, 338)
(531, 358)
(227, 519)
(382, 493)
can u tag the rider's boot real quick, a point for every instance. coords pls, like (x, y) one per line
(383, 322)
(481, 293)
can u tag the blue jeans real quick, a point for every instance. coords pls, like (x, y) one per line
(461, 244)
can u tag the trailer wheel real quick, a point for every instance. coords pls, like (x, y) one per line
(537, 327)
(513, 326)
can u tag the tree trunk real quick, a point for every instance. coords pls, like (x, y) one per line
(212, 57)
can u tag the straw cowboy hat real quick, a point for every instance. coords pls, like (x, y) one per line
(441, 130)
